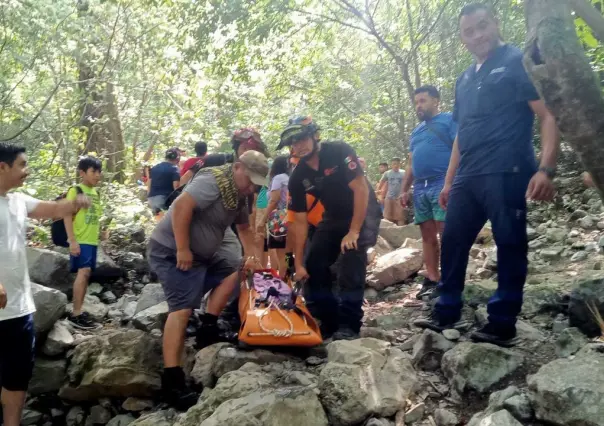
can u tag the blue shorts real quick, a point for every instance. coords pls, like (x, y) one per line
(17, 352)
(425, 203)
(86, 259)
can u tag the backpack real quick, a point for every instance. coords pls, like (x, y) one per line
(57, 229)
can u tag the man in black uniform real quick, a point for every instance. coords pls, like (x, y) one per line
(331, 172)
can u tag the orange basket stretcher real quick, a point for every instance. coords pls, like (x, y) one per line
(275, 319)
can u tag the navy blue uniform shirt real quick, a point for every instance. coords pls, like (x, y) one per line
(495, 120)
(163, 176)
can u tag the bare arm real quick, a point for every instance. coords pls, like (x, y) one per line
(550, 137)
(272, 204)
(149, 184)
(408, 179)
(453, 163)
(57, 209)
(361, 199)
(246, 236)
(68, 221)
(186, 177)
(181, 220)
(299, 229)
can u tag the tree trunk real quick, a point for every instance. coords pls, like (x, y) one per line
(563, 76)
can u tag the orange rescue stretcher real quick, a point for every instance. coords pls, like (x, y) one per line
(273, 313)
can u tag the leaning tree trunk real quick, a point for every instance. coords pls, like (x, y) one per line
(564, 78)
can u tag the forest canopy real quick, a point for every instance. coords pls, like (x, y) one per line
(124, 79)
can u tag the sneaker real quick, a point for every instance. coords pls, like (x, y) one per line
(433, 323)
(345, 333)
(428, 289)
(83, 322)
(500, 336)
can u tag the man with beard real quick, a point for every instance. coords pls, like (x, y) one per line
(429, 154)
(492, 172)
(331, 172)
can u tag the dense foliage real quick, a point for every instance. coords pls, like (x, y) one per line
(128, 78)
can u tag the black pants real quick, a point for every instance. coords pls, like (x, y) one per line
(346, 309)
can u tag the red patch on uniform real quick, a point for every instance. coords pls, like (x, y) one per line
(352, 165)
(329, 172)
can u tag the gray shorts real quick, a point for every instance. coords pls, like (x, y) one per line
(185, 289)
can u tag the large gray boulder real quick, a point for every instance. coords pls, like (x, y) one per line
(395, 267)
(50, 306)
(586, 294)
(48, 375)
(152, 318)
(59, 339)
(365, 377)
(570, 392)
(478, 366)
(500, 418)
(396, 235)
(297, 406)
(158, 418)
(120, 363)
(152, 295)
(51, 268)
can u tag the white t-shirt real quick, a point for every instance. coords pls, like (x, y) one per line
(14, 275)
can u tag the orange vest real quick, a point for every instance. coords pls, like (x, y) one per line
(315, 215)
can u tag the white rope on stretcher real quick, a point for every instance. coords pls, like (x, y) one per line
(275, 332)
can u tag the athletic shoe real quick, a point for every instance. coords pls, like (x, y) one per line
(83, 322)
(428, 289)
(500, 336)
(433, 323)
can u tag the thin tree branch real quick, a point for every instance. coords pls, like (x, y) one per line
(328, 18)
(592, 17)
(108, 53)
(20, 132)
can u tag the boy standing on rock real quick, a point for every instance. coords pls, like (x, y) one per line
(83, 232)
(16, 299)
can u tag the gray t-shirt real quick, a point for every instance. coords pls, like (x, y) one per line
(210, 218)
(395, 182)
(279, 183)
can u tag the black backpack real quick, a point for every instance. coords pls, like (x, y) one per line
(57, 229)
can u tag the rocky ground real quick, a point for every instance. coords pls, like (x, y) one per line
(395, 374)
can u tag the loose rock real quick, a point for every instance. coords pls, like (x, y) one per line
(429, 349)
(445, 418)
(395, 267)
(570, 341)
(58, 341)
(115, 364)
(478, 366)
(50, 306)
(570, 392)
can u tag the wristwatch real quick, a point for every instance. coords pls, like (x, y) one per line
(549, 171)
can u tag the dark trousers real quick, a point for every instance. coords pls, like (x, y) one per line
(499, 198)
(346, 310)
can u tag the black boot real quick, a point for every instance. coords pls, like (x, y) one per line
(434, 323)
(175, 392)
(209, 333)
